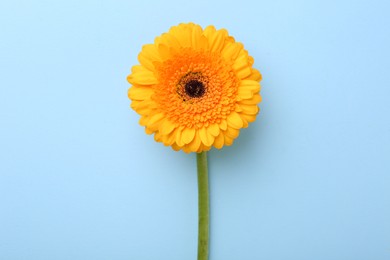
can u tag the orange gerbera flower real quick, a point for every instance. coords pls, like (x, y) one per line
(194, 88)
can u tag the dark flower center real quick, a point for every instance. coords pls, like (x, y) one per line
(194, 88)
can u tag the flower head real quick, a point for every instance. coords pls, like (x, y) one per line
(194, 88)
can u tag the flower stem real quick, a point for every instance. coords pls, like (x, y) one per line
(203, 201)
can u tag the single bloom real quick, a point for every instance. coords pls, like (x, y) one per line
(195, 89)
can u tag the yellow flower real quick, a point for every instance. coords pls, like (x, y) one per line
(195, 88)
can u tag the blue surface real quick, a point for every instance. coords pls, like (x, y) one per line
(80, 180)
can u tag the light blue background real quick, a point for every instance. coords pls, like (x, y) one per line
(80, 180)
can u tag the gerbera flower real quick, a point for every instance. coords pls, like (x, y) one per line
(194, 88)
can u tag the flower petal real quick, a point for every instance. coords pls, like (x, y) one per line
(206, 138)
(251, 85)
(223, 125)
(169, 139)
(183, 35)
(144, 77)
(143, 120)
(249, 109)
(154, 121)
(179, 140)
(148, 130)
(216, 38)
(140, 93)
(249, 118)
(231, 51)
(228, 140)
(253, 101)
(195, 36)
(166, 127)
(188, 135)
(196, 142)
(255, 75)
(234, 120)
(242, 66)
(186, 149)
(143, 107)
(219, 141)
(170, 40)
(247, 88)
(157, 137)
(232, 132)
(148, 56)
(213, 129)
(176, 147)
(164, 51)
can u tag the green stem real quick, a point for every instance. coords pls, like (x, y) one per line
(203, 201)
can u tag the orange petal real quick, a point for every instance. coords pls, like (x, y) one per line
(231, 51)
(154, 121)
(223, 125)
(203, 148)
(143, 107)
(140, 93)
(164, 52)
(252, 85)
(206, 138)
(196, 142)
(169, 139)
(148, 131)
(252, 101)
(176, 147)
(183, 34)
(203, 43)
(157, 137)
(178, 139)
(245, 122)
(216, 38)
(232, 132)
(249, 109)
(186, 149)
(144, 77)
(213, 129)
(255, 75)
(195, 36)
(228, 140)
(219, 141)
(148, 56)
(241, 65)
(234, 120)
(188, 135)
(143, 120)
(249, 118)
(166, 127)
(170, 40)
